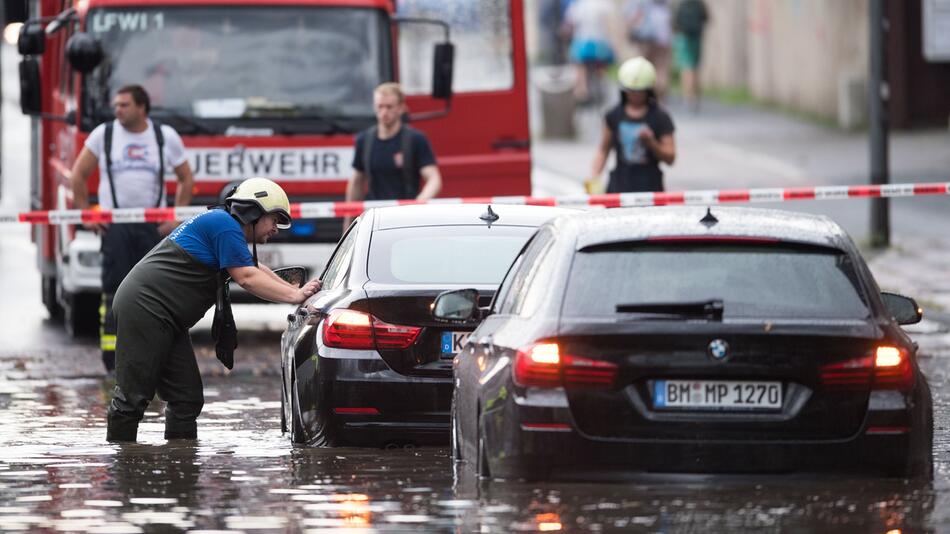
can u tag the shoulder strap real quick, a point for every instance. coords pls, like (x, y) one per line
(368, 139)
(108, 154)
(160, 139)
(410, 175)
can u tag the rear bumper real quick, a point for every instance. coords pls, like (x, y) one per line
(579, 457)
(411, 410)
(541, 442)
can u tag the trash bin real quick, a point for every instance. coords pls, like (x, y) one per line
(556, 87)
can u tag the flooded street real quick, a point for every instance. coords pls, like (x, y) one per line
(57, 474)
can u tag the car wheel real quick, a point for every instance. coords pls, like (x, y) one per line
(283, 401)
(81, 314)
(481, 464)
(456, 446)
(483, 470)
(48, 291)
(297, 432)
(315, 433)
(921, 463)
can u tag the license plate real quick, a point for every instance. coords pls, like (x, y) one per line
(452, 343)
(717, 395)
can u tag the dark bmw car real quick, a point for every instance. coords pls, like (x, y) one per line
(363, 361)
(676, 339)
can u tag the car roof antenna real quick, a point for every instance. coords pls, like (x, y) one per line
(709, 220)
(489, 216)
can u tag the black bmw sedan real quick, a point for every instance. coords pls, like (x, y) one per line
(676, 339)
(363, 362)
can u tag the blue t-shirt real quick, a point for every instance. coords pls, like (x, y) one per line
(215, 239)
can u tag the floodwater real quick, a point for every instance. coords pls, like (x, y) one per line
(57, 474)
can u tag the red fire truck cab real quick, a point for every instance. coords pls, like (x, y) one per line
(274, 88)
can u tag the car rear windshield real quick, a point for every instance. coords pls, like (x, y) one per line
(445, 254)
(751, 281)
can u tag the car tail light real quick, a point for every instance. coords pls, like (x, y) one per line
(892, 369)
(543, 365)
(888, 368)
(352, 329)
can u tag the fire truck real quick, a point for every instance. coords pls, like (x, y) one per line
(274, 88)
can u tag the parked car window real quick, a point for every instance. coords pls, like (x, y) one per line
(752, 281)
(512, 300)
(339, 263)
(505, 288)
(462, 254)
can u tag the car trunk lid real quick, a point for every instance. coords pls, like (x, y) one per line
(728, 382)
(437, 343)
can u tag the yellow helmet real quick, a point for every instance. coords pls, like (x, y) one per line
(255, 197)
(637, 74)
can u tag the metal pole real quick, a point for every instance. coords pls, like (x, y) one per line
(879, 94)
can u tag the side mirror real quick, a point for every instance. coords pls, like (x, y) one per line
(83, 52)
(32, 39)
(458, 305)
(903, 309)
(443, 62)
(293, 275)
(30, 87)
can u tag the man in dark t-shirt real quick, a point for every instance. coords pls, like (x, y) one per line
(391, 159)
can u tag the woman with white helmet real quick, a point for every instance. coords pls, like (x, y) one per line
(640, 132)
(173, 287)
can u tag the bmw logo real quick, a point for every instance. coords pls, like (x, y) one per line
(718, 349)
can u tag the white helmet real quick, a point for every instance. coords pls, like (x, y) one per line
(637, 74)
(256, 197)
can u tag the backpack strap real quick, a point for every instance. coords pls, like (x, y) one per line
(368, 139)
(160, 139)
(410, 175)
(108, 154)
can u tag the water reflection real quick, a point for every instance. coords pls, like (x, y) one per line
(58, 474)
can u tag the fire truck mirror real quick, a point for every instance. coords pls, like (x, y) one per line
(442, 67)
(30, 86)
(32, 39)
(15, 11)
(84, 52)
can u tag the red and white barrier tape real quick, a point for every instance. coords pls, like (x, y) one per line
(613, 200)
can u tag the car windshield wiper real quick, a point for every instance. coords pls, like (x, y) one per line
(196, 125)
(707, 309)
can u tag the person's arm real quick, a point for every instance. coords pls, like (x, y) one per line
(432, 182)
(186, 185)
(663, 148)
(355, 190)
(269, 287)
(79, 182)
(272, 274)
(600, 156)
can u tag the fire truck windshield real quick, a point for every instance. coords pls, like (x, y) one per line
(295, 69)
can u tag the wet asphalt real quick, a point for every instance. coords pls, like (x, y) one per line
(58, 474)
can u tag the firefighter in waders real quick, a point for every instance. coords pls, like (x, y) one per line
(167, 292)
